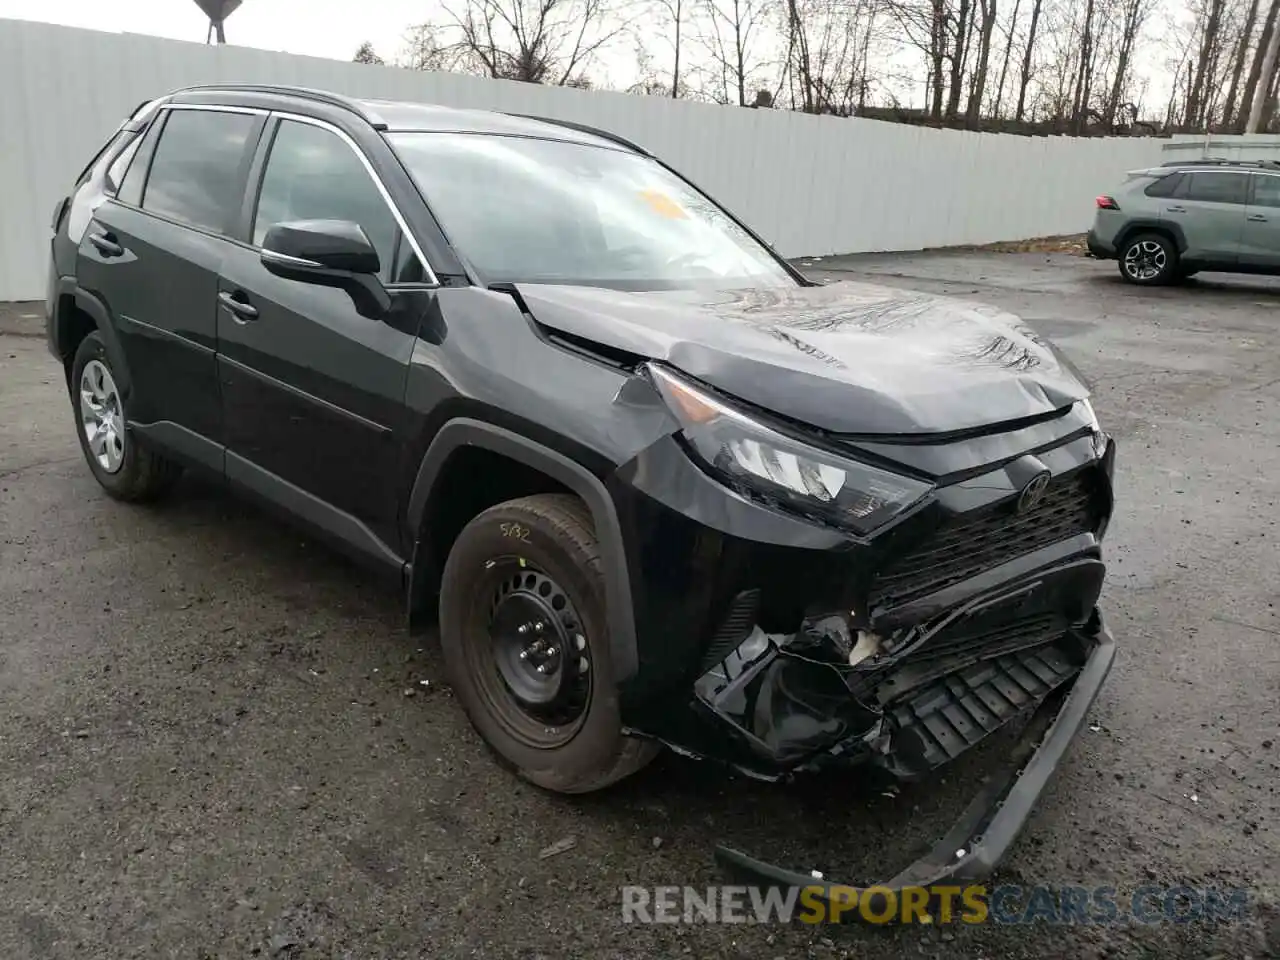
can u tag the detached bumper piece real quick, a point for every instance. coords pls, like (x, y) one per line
(953, 714)
(990, 823)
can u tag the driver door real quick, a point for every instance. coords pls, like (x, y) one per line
(313, 391)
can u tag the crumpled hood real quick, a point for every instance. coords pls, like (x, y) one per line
(844, 357)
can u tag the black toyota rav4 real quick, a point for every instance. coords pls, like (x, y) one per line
(657, 487)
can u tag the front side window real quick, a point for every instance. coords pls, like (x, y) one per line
(313, 174)
(1217, 187)
(195, 173)
(523, 209)
(1266, 190)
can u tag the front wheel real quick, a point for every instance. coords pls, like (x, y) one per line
(526, 644)
(1149, 260)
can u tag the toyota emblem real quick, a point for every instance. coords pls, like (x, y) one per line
(1034, 491)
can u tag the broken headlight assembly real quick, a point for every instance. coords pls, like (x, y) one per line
(761, 462)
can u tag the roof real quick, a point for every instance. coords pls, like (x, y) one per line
(404, 115)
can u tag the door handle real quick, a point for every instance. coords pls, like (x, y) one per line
(106, 244)
(241, 312)
(1256, 218)
(1175, 209)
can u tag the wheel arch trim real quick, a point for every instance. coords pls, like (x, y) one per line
(97, 311)
(468, 432)
(1150, 225)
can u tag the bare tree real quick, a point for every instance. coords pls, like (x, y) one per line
(730, 34)
(366, 54)
(1210, 49)
(1008, 52)
(1028, 51)
(978, 85)
(1133, 14)
(537, 41)
(1238, 61)
(1255, 67)
(1268, 74)
(827, 45)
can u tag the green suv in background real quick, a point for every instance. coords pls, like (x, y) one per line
(1170, 222)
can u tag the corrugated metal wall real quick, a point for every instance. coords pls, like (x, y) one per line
(809, 185)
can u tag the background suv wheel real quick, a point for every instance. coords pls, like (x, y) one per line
(125, 469)
(526, 646)
(1149, 259)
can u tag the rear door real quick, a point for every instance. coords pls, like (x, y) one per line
(152, 255)
(1209, 207)
(313, 391)
(1260, 240)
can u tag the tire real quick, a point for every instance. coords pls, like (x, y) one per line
(535, 563)
(1149, 260)
(122, 466)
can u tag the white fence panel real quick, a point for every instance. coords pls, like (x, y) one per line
(1254, 146)
(810, 185)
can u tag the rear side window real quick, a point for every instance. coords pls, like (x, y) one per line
(195, 173)
(1217, 187)
(1165, 186)
(130, 191)
(116, 172)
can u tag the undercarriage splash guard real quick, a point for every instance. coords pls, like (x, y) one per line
(990, 823)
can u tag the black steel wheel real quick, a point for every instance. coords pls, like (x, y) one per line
(536, 651)
(525, 641)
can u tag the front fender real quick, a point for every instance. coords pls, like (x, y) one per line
(467, 432)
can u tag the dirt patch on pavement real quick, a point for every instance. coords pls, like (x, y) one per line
(1073, 243)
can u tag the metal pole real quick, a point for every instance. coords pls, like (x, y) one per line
(222, 36)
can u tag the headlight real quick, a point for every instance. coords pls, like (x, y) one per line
(759, 461)
(1100, 438)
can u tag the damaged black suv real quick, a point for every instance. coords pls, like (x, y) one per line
(658, 487)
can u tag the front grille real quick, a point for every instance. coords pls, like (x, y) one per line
(990, 536)
(994, 640)
(955, 648)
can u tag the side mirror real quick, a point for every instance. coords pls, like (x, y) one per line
(330, 253)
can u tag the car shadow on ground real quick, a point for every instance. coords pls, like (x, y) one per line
(1228, 285)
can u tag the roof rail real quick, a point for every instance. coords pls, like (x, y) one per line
(307, 93)
(584, 128)
(1222, 162)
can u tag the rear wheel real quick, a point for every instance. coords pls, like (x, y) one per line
(525, 642)
(1149, 259)
(126, 470)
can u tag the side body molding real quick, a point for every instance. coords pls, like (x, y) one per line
(476, 433)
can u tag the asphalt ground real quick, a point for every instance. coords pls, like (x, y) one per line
(216, 739)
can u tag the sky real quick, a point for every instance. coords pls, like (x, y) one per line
(336, 28)
(330, 28)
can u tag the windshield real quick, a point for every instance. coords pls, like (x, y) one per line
(528, 210)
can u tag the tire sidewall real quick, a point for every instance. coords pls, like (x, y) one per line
(93, 348)
(599, 741)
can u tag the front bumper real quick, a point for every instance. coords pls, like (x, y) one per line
(991, 822)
